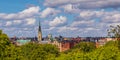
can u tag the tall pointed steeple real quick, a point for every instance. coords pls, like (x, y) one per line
(39, 29)
(39, 33)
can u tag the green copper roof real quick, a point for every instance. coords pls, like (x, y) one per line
(23, 41)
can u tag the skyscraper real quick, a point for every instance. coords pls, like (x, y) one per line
(39, 33)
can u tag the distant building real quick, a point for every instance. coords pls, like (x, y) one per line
(22, 42)
(103, 40)
(50, 38)
(64, 45)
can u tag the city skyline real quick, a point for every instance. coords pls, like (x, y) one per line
(70, 18)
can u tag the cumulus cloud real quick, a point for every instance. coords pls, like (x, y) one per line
(67, 28)
(49, 12)
(54, 3)
(27, 13)
(84, 4)
(70, 8)
(102, 15)
(32, 11)
(58, 21)
(8, 23)
(87, 14)
(17, 21)
(91, 23)
(89, 18)
(30, 21)
(112, 18)
(87, 23)
(82, 23)
(96, 21)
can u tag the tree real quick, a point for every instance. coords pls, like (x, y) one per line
(106, 53)
(34, 51)
(114, 31)
(85, 46)
(4, 43)
(8, 51)
(4, 40)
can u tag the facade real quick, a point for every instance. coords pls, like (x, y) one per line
(64, 46)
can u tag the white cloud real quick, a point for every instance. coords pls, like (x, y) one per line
(70, 8)
(62, 2)
(102, 15)
(91, 28)
(82, 23)
(31, 10)
(49, 12)
(87, 21)
(17, 21)
(114, 18)
(86, 24)
(9, 16)
(87, 14)
(84, 4)
(8, 23)
(30, 21)
(49, 29)
(58, 21)
(66, 29)
(27, 13)
(23, 21)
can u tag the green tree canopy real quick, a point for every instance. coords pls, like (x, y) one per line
(85, 46)
(4, 43)
(33, 51)
(4, 40)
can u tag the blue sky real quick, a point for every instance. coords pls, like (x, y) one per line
(70, 18)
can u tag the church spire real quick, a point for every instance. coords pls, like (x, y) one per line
(39, 29)
(39, 33)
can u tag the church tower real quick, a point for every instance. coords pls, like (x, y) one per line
(39, 33)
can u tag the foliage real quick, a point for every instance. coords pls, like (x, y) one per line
(4, 43)
(34, 51)
(85, 46)
(112, 43)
